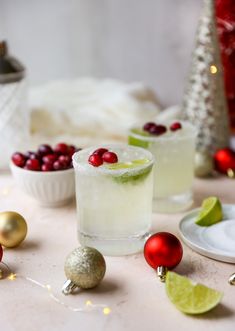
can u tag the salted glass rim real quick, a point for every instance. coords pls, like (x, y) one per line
(163, 137)
(87, 168)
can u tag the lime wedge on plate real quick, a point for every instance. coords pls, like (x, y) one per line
(211, 212)
(188, 297)
(134, 141)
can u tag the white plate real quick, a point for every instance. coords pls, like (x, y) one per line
(216, 241)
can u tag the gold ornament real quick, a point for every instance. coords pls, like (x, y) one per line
(84, 268)
(204, 103)
(203, 165)
(13, 229)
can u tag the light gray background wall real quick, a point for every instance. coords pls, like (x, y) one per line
(147, 40)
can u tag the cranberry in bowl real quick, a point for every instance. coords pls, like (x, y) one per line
(46, 174)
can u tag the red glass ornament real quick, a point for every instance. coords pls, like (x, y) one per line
(224, 159)
(163, 249)
(1, 253)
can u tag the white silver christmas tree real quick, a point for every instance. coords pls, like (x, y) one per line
(204, 102)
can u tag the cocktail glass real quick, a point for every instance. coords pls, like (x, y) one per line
(114, 201)
(174, 165)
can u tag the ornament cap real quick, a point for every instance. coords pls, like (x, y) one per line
(232, 279)
(68, 287)
(161, 273)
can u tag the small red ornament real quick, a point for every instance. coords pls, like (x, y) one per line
(224, 160)
(1, 253)
(163, 251)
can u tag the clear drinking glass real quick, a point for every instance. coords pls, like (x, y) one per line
(174, 168)
(114, 201)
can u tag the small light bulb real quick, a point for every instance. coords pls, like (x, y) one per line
(88, 303)
(106, 311)
(213, 69)
(12, 276)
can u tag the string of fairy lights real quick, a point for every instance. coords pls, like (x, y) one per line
(88, 306)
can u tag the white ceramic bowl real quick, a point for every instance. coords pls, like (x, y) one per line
(52, 189)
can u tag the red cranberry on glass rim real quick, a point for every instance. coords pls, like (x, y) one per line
(110, 157)
(18, 159)
(100, 151)
(148, 126)
(95, 160)
(158, 130)
(175, 126)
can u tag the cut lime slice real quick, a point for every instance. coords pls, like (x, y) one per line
(128, 177)
(211, 212)
(188, 297)
(134, 141)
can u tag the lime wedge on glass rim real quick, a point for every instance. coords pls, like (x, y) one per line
(128, 176)
(190, 297)
(211, 212)
(135, 141)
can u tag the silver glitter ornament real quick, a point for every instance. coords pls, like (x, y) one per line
(204, 103)
(203, 164)
(84, 268)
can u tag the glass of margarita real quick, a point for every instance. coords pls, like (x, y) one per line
(173, 147)
(114, 200)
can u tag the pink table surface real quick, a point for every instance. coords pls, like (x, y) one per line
(136, 298)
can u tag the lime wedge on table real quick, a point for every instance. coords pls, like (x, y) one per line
(211, 212)
(135, 141)
(188, 297)
(129, 176)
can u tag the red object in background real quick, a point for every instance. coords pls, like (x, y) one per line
(225, 12)
(224, 160)
(1, 253)
(163, 249)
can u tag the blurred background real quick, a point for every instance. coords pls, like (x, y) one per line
(149, 40)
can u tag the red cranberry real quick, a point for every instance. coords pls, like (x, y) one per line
(95, 160)
(32, 164)
(148, 126)
(175, 126)
(61, 148)
(18, 159)
(47, 167)
(44, 150)
(71, 150)
(64, 160)
(100, 151)
(57, 165)
(110, 157)
(49, 159)
(35, 156)
(157, 130)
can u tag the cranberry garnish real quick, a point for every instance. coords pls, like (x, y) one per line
(110, 157)
(18, 159)
(61, 148)
(44, 150)
(148, 126)
(57, 165)
(49, 159)
(95, 160)
(175, 126)
(47, 167)
(157, 130)
(32, 164)
(100, 151)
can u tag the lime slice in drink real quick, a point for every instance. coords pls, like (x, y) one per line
(135, 141)
(188, 297)
(211, 212)
(129, 176)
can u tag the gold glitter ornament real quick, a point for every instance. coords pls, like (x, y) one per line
(84, 268)
(204, 103)
(13, 229)
(203, 164)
